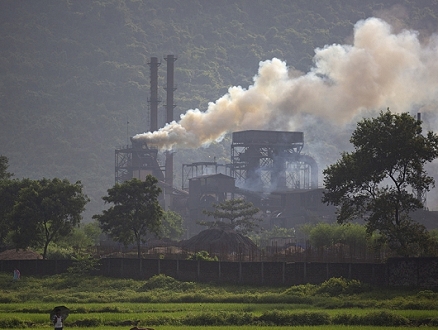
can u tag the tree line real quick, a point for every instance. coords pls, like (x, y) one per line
(380, 183)
(36, 213)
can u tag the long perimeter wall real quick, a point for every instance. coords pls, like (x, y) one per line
(417, 272)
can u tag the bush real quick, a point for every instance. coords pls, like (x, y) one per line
(376, 319)
(203, 256)
(303, 290)
(336, 286)
(58, 253)
(433, 322)
(7, 299)
(428, 294)
(282, 318)
(384, 319)
(12, 323)
(83, 265)
(167, 283)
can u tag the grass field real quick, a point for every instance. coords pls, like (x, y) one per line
(323, 327)
(167, 304)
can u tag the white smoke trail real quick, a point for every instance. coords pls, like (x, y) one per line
(381, 69)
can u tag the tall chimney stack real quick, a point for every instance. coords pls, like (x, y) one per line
(153, 101)
(170, 88)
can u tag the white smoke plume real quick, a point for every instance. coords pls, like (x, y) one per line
(380, 69)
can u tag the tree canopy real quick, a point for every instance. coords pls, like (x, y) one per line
(43, 211)
(9, 192)
(171, 225)
(383, 179)
(135, 212)
(239, 213)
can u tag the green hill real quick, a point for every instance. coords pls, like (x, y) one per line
(75, 77)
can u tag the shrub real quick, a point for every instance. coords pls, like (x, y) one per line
(336, 286)
(166, 282)
(203, 256)
(7, 299)
(433, 322)
(333, 287)
(58, 253)
(83, 265)
(13, 322)
(303, 290)
(428, 294)
(383, 318)
(282, 318)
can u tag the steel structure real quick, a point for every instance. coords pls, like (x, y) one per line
(193, 170)
(271, 160)
(136, 161)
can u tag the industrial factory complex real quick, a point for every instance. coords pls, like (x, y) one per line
(267, 169)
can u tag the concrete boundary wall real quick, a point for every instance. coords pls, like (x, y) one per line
(417, 272)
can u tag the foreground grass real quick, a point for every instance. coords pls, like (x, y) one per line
(169, 304)
(323, 327)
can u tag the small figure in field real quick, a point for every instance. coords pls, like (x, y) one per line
(16, 274)
(57, 320)
(137, 328)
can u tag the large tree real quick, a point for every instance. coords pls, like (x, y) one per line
(383, 179)
(136, 211)
(236, 214)
(46, 211)
(171, 225)
(9, 192)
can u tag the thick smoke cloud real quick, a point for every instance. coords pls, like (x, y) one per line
(379, 70)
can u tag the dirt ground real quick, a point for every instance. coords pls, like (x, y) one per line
(19, 255)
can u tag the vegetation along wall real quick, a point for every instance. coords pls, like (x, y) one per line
(420, 272)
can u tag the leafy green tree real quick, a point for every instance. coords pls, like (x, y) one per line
(239, 213)
(325, 235)
(83, 237)
(6, 198)
(46, 211)
(9, 192)
(135, 211)
(171, 225)
(381, 178)
(322, 235)
(83, 265)
(264, 236)
(92, 232)
(203, 256)
(4, 174)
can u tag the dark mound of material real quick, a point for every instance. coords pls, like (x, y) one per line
(215, 240)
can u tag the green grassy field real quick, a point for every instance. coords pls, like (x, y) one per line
(164, 303)
(324, 327)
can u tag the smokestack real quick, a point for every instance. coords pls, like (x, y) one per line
(153, 101)
(170, 88)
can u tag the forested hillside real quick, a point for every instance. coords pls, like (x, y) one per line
(75, 77)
